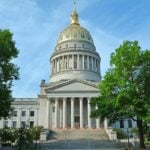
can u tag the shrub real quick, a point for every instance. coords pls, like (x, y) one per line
(120, 134)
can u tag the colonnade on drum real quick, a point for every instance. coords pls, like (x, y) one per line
(72, 112)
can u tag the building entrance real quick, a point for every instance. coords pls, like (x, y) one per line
(77, 121)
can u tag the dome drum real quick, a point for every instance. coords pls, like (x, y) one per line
(78, 62)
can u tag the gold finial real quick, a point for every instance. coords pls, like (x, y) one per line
(74, 15)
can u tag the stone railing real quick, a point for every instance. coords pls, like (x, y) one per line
(111, 134)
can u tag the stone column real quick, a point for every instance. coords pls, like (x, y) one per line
(78, 63)
(97, 120)
(81, 112)
(92, 63)
(48, 113)
(89, 112)
(56, 65)
(72, 112)
(67, 62)
(64, 112)
(72, 62)
(88, 66)
(105, 123)
(56, 112)
(83, 62)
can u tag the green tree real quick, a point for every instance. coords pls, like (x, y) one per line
(125, 89)
(24, 140)
(8, 71)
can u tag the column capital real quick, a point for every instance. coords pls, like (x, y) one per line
(81, 98)
(64, 98)
(72, 112)
(72, 98)
(56, 98)
(89, 98)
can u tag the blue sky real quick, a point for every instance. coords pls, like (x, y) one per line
(36, 25)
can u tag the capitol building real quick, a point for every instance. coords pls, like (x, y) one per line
(64, 101)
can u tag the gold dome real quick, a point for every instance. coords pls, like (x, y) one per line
(74, 31)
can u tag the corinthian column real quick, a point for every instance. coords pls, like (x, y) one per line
(81, 112)
(56, 112)
(97, 120)
(48, 113)
(64, 112)
(89, 112)
(72, 112)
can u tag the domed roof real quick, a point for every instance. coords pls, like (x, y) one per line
(74, 31)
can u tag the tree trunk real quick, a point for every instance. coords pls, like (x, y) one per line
(141, 134)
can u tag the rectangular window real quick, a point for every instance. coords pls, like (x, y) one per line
(14, 124)
(23, 124)
(31, 113)
(23, 113)
(121, 124)
(5, 124)
(15, 113)
(129, 123)
(31, 124)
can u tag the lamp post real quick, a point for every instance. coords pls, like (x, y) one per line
(128, 137)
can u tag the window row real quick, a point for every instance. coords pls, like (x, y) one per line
(81, 62)
(23, 113)
(15, 124)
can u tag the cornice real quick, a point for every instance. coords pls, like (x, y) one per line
(95, 85)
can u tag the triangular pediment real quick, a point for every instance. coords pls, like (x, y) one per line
(74, 85)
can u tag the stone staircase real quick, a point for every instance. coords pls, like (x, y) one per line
(80, 139)
(73, 134)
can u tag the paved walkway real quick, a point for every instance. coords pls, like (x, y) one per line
(80, 139)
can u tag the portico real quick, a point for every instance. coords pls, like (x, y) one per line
(70, 112)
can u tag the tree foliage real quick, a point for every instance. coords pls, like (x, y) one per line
(8, 71)
(125, 89)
